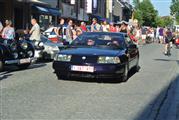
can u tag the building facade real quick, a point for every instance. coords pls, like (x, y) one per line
(49, 11)
(22, 11)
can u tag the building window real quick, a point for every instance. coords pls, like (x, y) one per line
(66, 1)
(82, 3)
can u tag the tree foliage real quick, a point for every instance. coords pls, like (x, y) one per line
(145, 12)
(175, 9)
(164, 21)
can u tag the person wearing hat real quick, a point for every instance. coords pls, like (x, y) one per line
(95, 27)
(123, 27)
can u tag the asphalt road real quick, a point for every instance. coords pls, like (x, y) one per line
(36, 94)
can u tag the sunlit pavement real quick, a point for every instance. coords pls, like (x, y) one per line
(170, 107)
(36, 93)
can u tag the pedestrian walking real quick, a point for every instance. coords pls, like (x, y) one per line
(105, 26)
(167, 38)
(59, 30)
(138, 35)
(95, 27)
(83, 27)
(144, 34)
(161, 35)
(74, 34)
(79, 32)
(123, 27)
(35, 31)
(112, 28)
(8, 32)
(26, 35)
(69, 34)
(157, 34)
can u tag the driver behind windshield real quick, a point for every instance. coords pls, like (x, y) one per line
(115, 42)
(90, 42)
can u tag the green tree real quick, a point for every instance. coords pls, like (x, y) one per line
(148, 12)
(168, 21)
(164, 21)
(136, 3)
(160, 22)
(175, 9)
(138, 16)
(145, 12)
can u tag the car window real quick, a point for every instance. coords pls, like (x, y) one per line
(111, 41)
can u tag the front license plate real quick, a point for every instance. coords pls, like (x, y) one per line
(24, 61)
(82, 68)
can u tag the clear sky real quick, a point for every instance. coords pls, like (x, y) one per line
(163, 6)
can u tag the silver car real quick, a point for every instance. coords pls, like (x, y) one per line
(48, 49)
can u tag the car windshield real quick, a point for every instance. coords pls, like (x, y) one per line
(101, 40)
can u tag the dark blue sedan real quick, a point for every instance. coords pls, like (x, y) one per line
(98, 55)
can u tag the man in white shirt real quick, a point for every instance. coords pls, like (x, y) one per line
(95, 27)
(35, 31)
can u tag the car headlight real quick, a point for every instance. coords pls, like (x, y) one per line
(30, 53)
(13, 47)
(63, 58)
(108, 60)
(15, 55)
(24, 45)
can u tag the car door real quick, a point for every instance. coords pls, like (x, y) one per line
(132, 52)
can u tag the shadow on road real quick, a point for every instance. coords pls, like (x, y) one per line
(100, 80)
(8, 70)
(157, 109)
(167, 60)
(5, 75)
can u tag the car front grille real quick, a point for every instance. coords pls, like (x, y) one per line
(78, 59)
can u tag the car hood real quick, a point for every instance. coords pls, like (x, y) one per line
(93, 51)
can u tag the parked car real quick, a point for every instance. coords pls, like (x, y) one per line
(46, 49)
(50, 34)
(98, 55)
(19, 53)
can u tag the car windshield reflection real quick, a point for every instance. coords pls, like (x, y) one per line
(107, 41)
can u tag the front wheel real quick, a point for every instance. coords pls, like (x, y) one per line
(125, 75)
(62, 77)
(137, 67)
(23, 66)
(1, 66)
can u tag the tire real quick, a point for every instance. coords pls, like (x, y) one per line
(23, 66)
(1, 66)
(61, 77)
(137, 67)
(125, 75)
